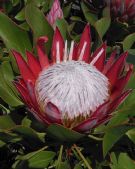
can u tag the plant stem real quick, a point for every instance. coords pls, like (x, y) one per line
(95, 138)
(82, 157)
(6, 110)
(32, 153)
(60, 157)
(76, 154)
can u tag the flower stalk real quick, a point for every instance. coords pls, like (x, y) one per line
(59, 157)
(82, 157)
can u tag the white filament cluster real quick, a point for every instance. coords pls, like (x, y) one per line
(75, 87)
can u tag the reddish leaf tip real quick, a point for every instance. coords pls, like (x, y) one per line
(42, 39)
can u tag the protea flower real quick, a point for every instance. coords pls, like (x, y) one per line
(124, 10)
(76, 89)
(55, 13)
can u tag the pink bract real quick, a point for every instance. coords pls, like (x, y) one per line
(55, 13)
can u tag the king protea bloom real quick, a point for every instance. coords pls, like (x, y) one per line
(76, 89)
(55, 13)
(124, 10)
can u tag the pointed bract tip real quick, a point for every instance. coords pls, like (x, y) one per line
(57, 34)
(87, 28)
(125, 53)
(57, 30)
(27, 52)
(15, 53)
(104, 45)
(131, 67)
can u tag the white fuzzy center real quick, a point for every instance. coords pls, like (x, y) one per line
(75, 87)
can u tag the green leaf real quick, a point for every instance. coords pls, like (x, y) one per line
(14, 37)
(102, 25)
(62, 25)
(123, 162)
(112, 136)
(37, 3)
(63, 134)
(64, 165)
(131, 56)
(7, 90)
(8, 6)
(6, 122)
(9, 98)
(15, 2)
(66, 10)
(21, 15)
(29, 134)
(90, 17)
(39, 25)
(9, 137)
(78, 166)
(4, 109)
(73, 35)
(76, 18)
(26, 122)
(128, 105)
(131, 51)
(41, 160)
(131, 135)
(113, 159)
(38, 159)
(106, 12)
(128, 42)
(7, 71)
(8, 75)
(45, 7)
(131, 83)
(122, 115)
(2, 143)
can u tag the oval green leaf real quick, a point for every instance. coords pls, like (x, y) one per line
(38, 23)
(128, 42)
(6, 122)
(112, 136)
(102, 25)
(90, 17)
(62, 25)
(13, 36)
(63, 134)
(7, 90)
(38, 159)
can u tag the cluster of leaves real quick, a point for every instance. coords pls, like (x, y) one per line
(24, 142)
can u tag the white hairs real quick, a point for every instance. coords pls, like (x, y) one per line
(75, 87)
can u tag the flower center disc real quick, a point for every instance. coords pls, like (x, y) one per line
(75, 87)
